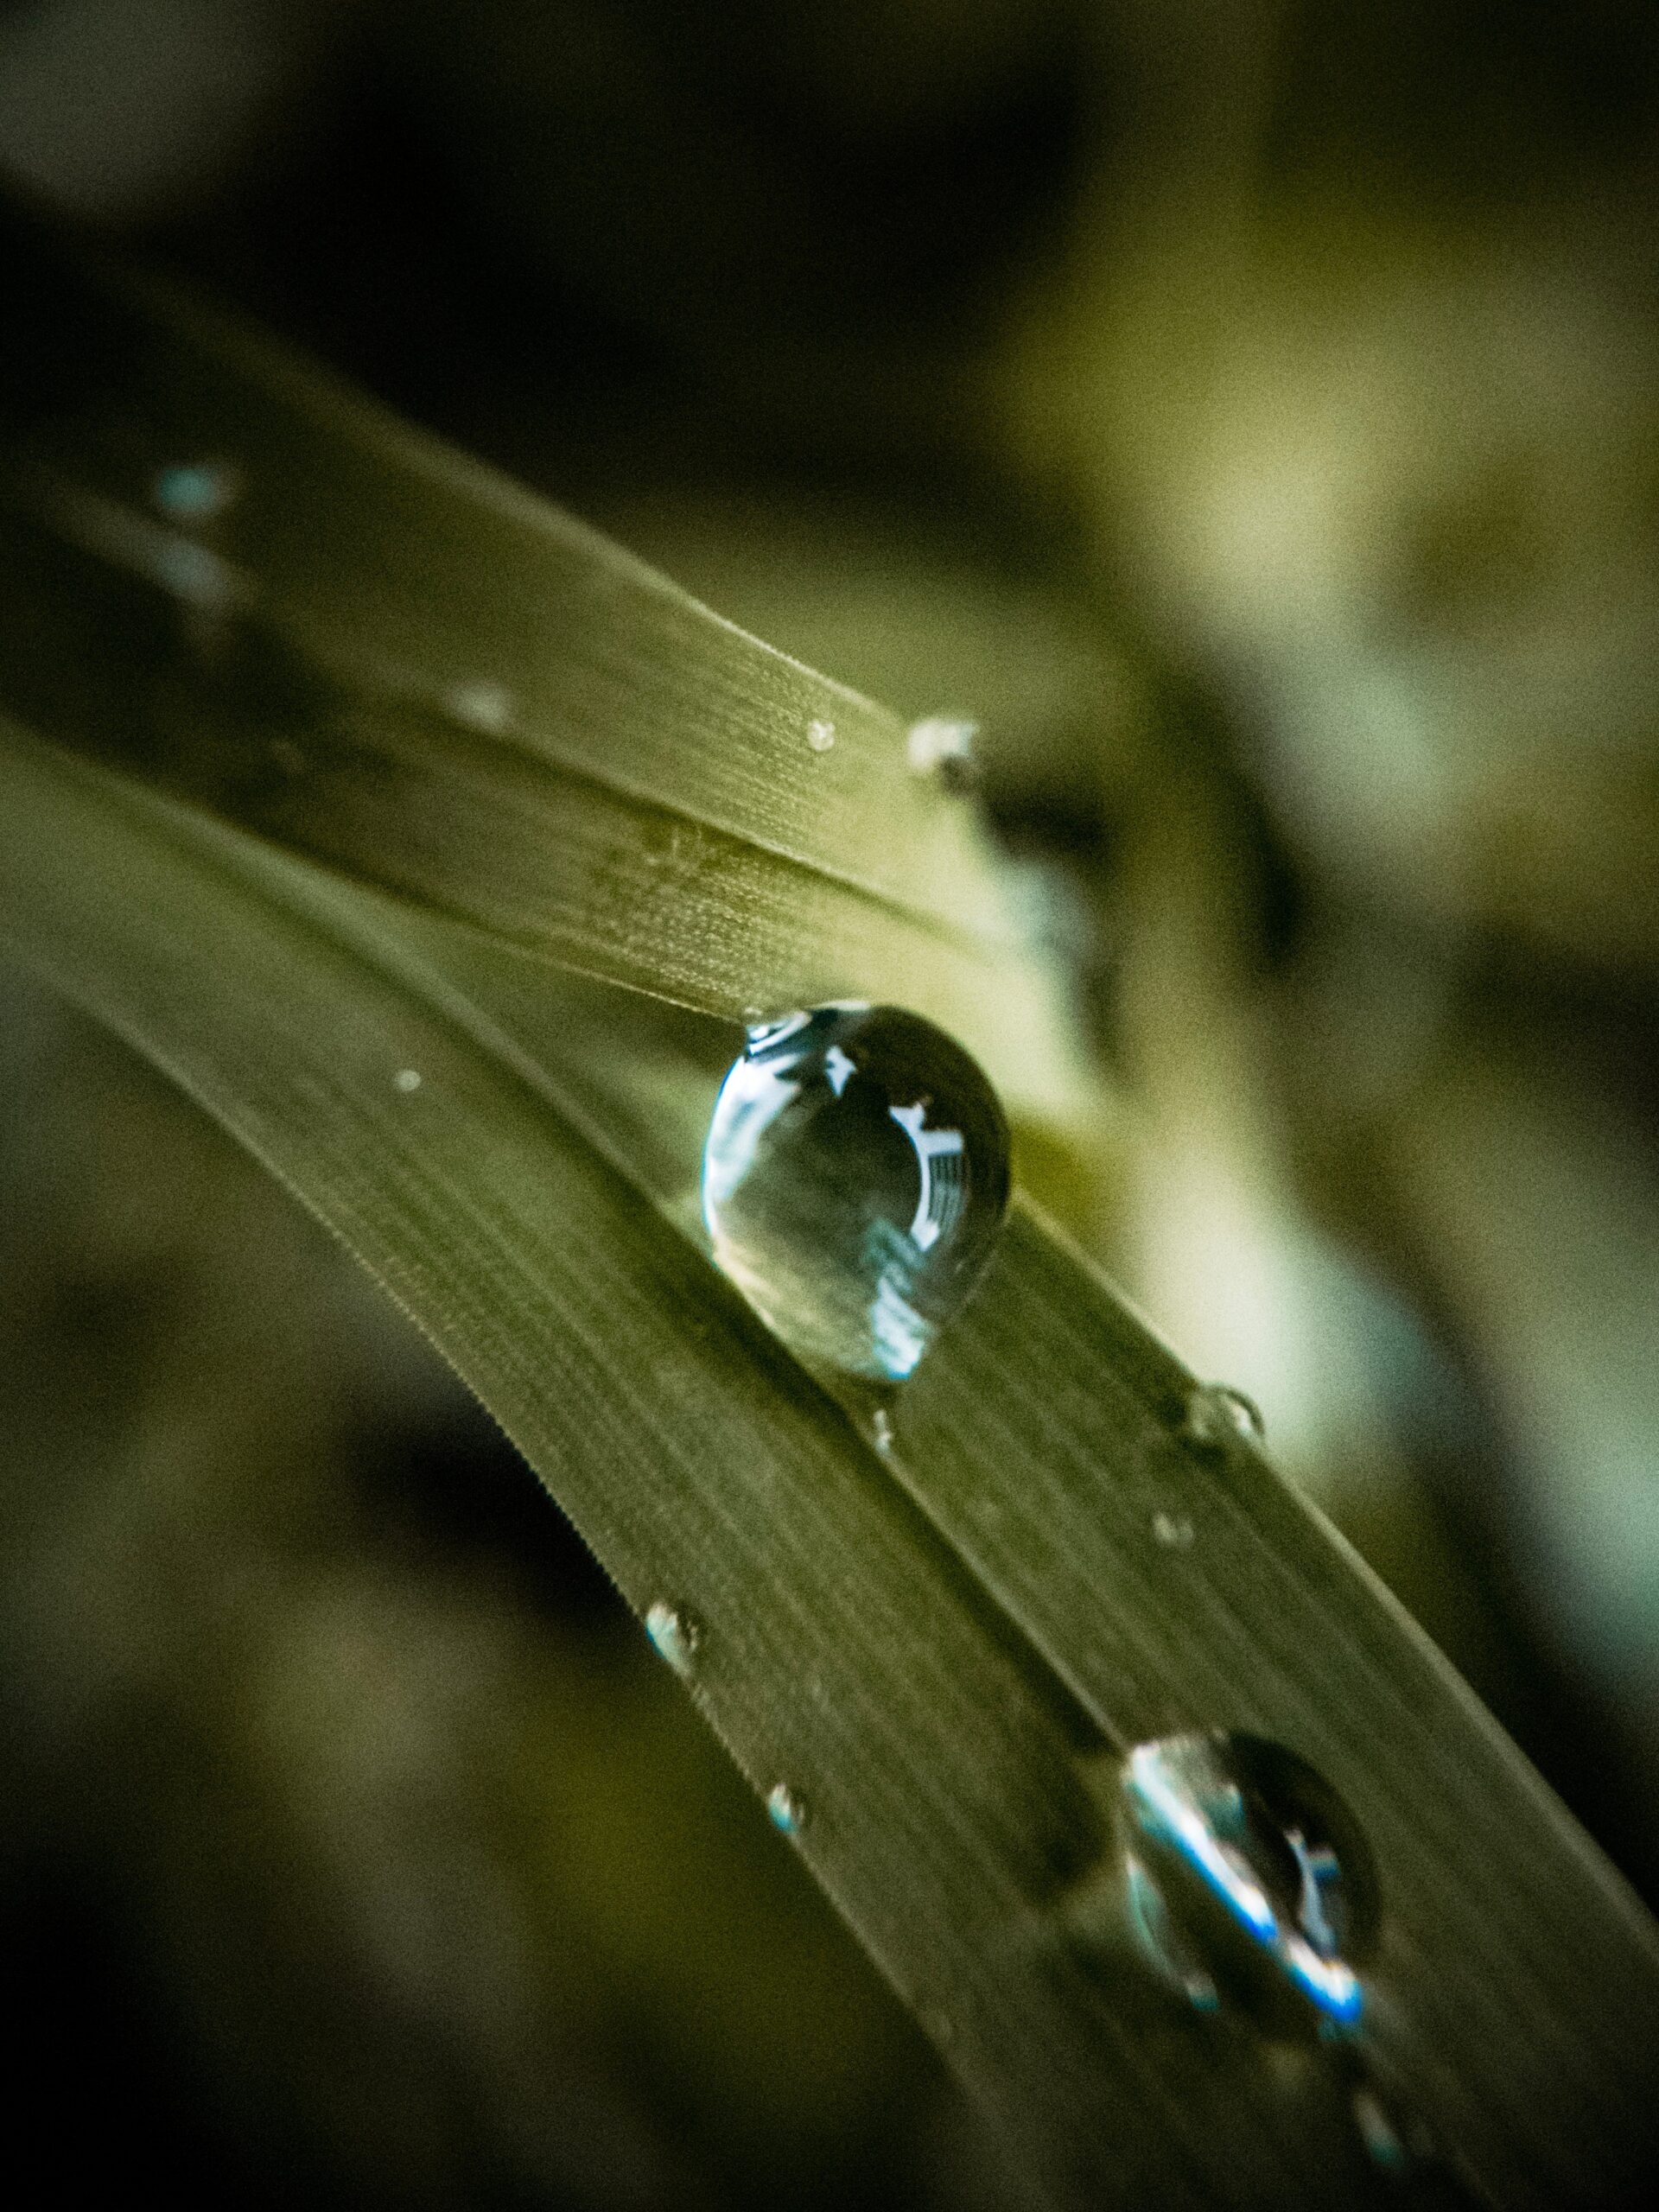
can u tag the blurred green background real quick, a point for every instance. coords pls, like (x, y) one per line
(1249, 415)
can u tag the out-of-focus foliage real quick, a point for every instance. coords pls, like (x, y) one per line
(1250, 415)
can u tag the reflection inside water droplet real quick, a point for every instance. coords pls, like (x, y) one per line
(785, 1808)
(675, 1636)
(854, 1180)
(1246, 1883)
(1217, 1415)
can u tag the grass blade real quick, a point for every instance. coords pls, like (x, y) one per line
(1514, 1996)
(395, 660)
(844, 1651)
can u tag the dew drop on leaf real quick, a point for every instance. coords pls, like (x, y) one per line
(1217, 1415)
(1383, 2142)
(1248, 1884)
(943, 747)
(406, 1080)
(191, 573)
(196, 491)
(821, 735)
(481, 704)
(854, 1178)
(675, 1634)
(785, 1808)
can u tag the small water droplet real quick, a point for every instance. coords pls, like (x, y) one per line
(407, 1079)
(1382, 2138)
(882, 1429)
(1246, 1883)
(1398, 2141)
(675, 1634)
(820, 735)
(854, 1178)
(785, 1808)
(191, 573)
(196, 491)
(943, 746)
(1217, 1415)
(1174, 1530)
(481, 704)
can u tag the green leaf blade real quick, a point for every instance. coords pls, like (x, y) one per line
(844, 1651)
(398, 661)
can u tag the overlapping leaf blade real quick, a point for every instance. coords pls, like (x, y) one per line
(1045, 1439)
(843, 1649)
(406, 667)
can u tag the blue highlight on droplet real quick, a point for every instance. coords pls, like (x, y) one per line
(1189, 1818)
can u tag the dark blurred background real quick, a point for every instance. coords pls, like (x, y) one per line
(1248, 414)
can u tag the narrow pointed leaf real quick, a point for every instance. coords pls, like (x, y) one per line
(844, 1650)
(353, 641)
(1046, 1438)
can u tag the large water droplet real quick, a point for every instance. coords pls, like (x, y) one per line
(1249, 1884)
(853, 1180)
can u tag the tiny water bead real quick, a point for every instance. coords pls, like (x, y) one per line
(1383, 2142)
(191, 573)
(481, 704)
(1398, 2143)
(675, 1634)
(820, 735)
(1248, 1884)
(943, 746)
(1217, 1415)
(854, 1178)
(785, 1808)
(1174, 1530)
(406, 1080)
(196, 491)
